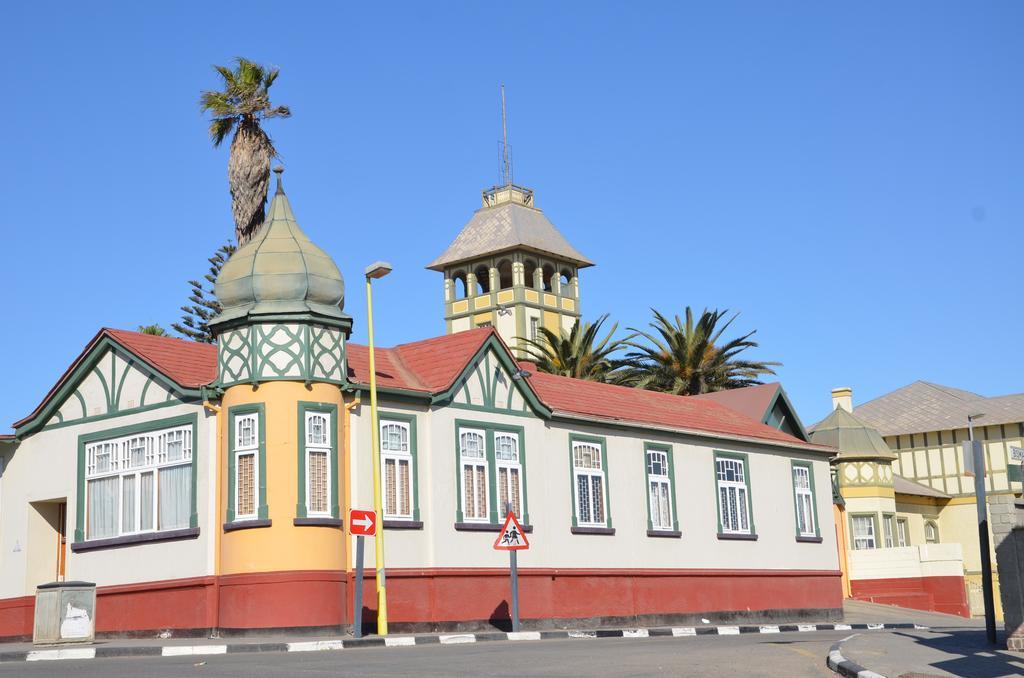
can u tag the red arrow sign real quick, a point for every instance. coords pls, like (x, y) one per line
(362, 523)
(511, 537)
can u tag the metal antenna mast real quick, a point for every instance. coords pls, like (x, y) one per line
(506, 168)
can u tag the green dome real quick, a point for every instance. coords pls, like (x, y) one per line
(279, 271)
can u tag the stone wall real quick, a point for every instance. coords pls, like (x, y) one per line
(1006, 515)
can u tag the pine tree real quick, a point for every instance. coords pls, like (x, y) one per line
(204, 305)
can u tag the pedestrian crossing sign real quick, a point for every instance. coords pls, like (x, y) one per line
(511, 537)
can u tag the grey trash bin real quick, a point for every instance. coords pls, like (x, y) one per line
(65, 613)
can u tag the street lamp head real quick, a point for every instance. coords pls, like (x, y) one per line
(378, 269)
(972, 417)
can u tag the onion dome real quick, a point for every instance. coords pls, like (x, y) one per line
(279, 272)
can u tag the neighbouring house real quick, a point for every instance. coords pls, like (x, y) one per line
(206, 486)
(925, 426)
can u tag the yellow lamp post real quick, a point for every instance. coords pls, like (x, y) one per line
(376, 270)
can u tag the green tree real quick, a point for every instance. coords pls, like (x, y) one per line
(204, 305)
(577, 353)
(241, 107)
(155, 330)
(690, 357)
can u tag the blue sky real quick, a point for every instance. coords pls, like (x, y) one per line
(847, 176)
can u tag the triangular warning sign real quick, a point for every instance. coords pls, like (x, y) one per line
(512, 537)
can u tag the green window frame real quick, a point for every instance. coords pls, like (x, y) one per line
(302, 508)
(577, 473)
(493, 466)
(932, 523)
(902, 532)
(665, 479)
(874, 532)
(728, 487)
(145, 427)
(799, 504)
(409, 421)
(888, 530)
(262, 510)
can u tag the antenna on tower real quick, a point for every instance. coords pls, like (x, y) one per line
(506, 165)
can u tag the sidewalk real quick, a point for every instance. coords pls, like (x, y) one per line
(950, 646)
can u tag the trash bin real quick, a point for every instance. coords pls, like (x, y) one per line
(65, 613)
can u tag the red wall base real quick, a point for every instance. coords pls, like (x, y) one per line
(307, 599)
(934, 594)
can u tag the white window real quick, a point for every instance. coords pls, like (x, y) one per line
(396, 467)
(659, 495)
(246, 452)
(510, 472)
(863, 532)
(901, 532)
(589, 485)
(733, 496)
(931, 532)
(318, 463)
(887, 537)
(534, 324)
(139, 483)
(804, 501)
(473, 468)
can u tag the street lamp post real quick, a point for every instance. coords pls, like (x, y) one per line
(376, 270)
(983, 542)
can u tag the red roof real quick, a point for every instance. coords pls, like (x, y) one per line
(752, 401)
(633, 405)
(432, 366)
(187, 363)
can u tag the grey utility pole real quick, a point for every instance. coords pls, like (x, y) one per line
(978, 456)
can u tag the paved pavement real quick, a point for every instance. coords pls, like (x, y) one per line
(795, 654)
(949, 651)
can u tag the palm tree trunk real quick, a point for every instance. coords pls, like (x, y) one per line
(248, 177)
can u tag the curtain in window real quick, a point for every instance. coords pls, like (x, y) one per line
(128, 504)
(103, 507)
(508, 490)
(318, 481)
(660, 512)
(146, 500)
(175, 497)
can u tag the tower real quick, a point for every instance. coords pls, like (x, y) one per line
(280, 361)
(509, 267)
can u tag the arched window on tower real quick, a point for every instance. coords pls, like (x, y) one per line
(530, 273)
(549, 273)
(565, 280)
(505, 275)
(483, 279)
(459, 283)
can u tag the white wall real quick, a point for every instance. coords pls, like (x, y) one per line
(930, 560)
(44, 467)
(549, 502)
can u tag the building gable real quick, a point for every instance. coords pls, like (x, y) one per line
(492, 382)
(781, 415)
(107, 380)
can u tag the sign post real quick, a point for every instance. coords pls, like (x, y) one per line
(973, 449)
(362, 524)
(512, 539)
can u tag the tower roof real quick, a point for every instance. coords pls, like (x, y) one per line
(279, 271)
(851, 436)
(507, 221)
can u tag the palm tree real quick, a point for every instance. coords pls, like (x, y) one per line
(242, 106)
(576, 353)
(155, 330)
(687, 358)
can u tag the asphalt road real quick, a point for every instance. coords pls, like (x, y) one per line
(789, 654)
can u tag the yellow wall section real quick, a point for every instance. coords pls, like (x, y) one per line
(532, 295)
(551, 322)
(283, 546)
(506, 296)
(871, 491)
